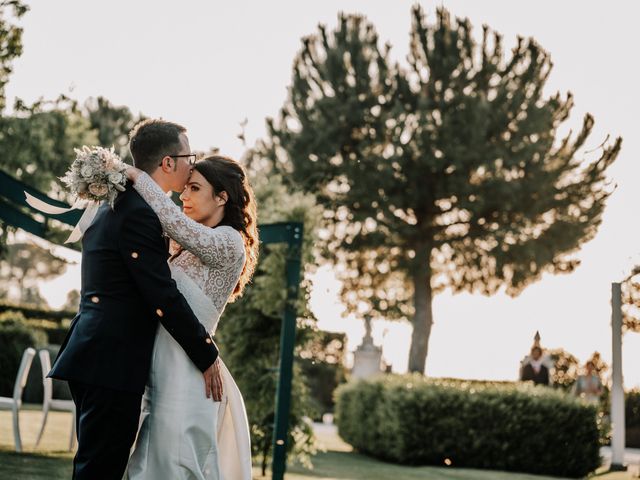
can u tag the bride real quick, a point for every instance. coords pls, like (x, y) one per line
(214, 248)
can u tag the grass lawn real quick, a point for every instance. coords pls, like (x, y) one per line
(51, 461)
(338, 462)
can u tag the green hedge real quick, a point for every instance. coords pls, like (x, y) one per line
(33, 390)
(417, 421)
(16, 334)
(55, 331)
(30, 311)
(632, 418)
(15, 337)
(322, 379)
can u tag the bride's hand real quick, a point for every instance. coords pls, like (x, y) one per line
(132, 173)
(213, 381)
(217, 381)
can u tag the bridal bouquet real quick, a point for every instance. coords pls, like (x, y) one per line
(97, 174)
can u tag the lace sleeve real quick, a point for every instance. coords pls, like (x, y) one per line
(214, 246)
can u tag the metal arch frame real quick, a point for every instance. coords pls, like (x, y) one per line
(290, 233)
(12, 212)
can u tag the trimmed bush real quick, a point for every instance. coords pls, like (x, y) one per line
(55, 331)
(499, 426)
(33, 390)
(632, 418)
(322, 378)
(16, 334)
(30, 311)
(55, 323)
(15, 337)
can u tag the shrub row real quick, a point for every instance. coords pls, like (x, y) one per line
(18, 333)
(15, 337)
(30, 311)
(499, 426)
(632, 418)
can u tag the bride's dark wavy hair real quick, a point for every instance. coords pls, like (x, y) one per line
(240, 212)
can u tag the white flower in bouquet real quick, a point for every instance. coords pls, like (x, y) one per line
(87, 171)
(116, 177)
(97, 174)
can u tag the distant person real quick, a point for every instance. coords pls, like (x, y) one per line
(588, 386)
(535, 370)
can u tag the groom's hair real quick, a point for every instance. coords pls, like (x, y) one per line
(153, 139)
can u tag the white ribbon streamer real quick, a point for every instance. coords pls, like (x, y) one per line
(90, 210)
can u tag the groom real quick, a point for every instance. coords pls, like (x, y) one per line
(126, 291)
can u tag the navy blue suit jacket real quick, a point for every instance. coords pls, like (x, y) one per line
(126, 290)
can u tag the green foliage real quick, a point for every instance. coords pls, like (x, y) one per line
(55, 332)
(61, 317)
(112, 124)
(631, 302)
(33, 390)
(37, 145)
(10, 41)
(23, 332)
(501, 426)
(15, 337)
(565, 367)
(322, 364)
(249, 333)
(38, 141)
(632, 418)
(445, 173)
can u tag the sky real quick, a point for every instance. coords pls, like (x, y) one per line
(211, 65)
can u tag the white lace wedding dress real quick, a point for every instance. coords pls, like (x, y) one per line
(184, 435)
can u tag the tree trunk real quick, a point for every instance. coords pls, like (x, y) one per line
(423, 317)
(265, 454)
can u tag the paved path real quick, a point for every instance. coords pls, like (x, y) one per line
(631, 457)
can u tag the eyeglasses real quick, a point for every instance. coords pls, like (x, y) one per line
(191, 158)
